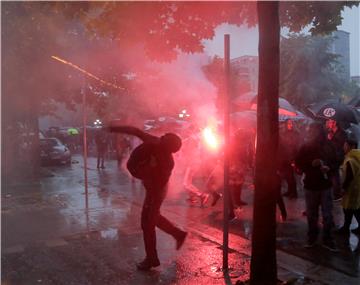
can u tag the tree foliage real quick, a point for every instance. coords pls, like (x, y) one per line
(309, 70)
(165, 28)
(162, 28)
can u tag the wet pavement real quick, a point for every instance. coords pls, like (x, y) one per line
(52, 234)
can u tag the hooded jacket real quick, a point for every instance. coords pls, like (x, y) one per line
(351, 198)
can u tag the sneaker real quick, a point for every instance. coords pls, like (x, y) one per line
(343, 231)
(337, 198)
(231, 216)
(180, 241)
(204, 198)
(191, 200)
(330, 245)
(242, 203)
(147, 264)
(310, 243)
(356, 231)
(292, 196)
(216, 197)
(283, 217)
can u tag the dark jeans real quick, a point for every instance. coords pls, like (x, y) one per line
(348, 215)
(335, 181)
(151, 218)
(287, 173)
(315, 200)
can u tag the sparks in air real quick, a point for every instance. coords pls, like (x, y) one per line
(87, 73)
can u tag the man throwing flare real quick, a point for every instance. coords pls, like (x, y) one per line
(152, 162)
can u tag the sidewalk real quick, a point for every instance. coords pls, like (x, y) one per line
(108, 257)
(65, 244)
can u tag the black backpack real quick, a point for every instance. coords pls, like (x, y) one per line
(141, 161)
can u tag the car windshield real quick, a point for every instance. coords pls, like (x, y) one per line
(49, 142)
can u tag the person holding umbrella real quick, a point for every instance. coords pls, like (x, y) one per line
(315, 159)
(336, 136)
(338, 117)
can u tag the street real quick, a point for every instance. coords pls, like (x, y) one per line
(51, 235)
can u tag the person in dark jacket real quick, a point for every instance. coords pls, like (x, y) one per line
(238, 166)
(155, 178)
(316, 159)
(337, 137)
(101, 141)
(289, 146)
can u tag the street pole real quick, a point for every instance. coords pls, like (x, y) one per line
(85, 147)
(226, 151)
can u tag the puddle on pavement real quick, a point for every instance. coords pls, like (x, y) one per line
(110, 233)
(216, 271)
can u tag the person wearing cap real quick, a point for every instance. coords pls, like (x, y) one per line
(316, 158)
(336, 136)
(154, 176)
(350, 172)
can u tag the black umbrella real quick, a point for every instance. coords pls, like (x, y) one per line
(355, 101)
(313, 109)
(354, 130)
(339, 112)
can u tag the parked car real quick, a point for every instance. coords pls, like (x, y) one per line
(52, 150)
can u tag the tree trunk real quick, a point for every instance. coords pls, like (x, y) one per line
(263, 259)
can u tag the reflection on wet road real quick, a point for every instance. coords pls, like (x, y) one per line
(58, 209)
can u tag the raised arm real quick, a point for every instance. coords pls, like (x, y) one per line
(145, 137)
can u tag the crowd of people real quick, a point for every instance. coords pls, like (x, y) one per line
(317, 155)
(325, 157)
(321, 158)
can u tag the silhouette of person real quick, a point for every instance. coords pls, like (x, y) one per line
(316, 159)
(351, 184)
(289, 146)
(337, 137)
(101, 140)
(154, 174)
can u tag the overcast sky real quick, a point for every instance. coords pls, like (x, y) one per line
(244, 41)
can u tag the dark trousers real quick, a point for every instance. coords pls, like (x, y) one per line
(314, 201)
(100, 158)
(235, 195)
(336, 184)
(151, 218)
(348, 215)
(282, 208)
(288, 174)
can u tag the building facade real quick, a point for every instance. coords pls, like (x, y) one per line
(341, 47)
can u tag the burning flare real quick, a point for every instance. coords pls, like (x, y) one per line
(210, 138)
(87, 73)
